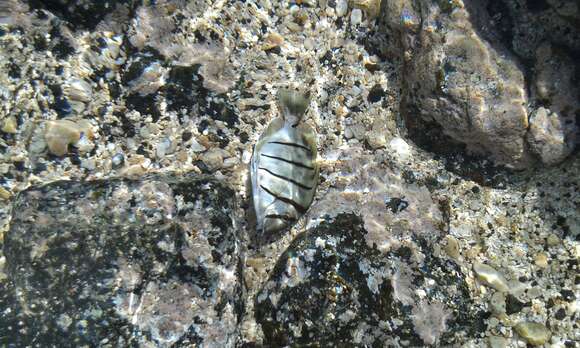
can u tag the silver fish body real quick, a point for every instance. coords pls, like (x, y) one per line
(284, 170)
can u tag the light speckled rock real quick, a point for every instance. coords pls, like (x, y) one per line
(196, 73)
(127, 263)
(465, 75)
(457, 79)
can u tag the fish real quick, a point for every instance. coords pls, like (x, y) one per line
(284, 169)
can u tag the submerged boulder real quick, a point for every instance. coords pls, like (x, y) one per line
(120, 262)
(471, 77)
(330, 287)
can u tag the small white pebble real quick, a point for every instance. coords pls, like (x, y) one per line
(490, 277)
(163, 148)
(197, 147)
(421, 293)
(84, 144)
(356, 17)
(230, 162)
(400, 147)
(319, 242)
(341, 7)
(348, 134)
(88, 164)
(246, 156)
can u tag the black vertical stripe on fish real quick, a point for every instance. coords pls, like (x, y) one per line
(290, 201)
(279, 176)
(291, 144)
(301, 165)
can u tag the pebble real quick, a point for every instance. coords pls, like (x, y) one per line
(452, 247)
(88, 164)
(163, 148)
(4, 194)
(534, 292)
(197, 147)
(135, 170)
(497, 303)
(541, 260)
(311, 3)
(376, 139)
(214, 159)
(356, 17)
(534, 333)
(341, 7)
(497, 342)
(272, 40)
(401, 148)
(2, 265)
(60, 134)
(490, 277)
(118, 160)
(553, 240)
(492, 322)
(84, 144)
(9, 125)
(230, 162)
(371, 7)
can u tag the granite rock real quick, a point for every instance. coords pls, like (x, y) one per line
(330, 287)
(187, 87)
(120, 262)
(458, 80)
(466, 66)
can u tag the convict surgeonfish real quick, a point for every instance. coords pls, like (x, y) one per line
(284, 171)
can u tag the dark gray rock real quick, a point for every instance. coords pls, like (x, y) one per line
(82, 13)
(524, 25)
(122, 263)
(330, 287)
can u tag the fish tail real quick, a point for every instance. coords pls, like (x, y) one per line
(293, 102)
